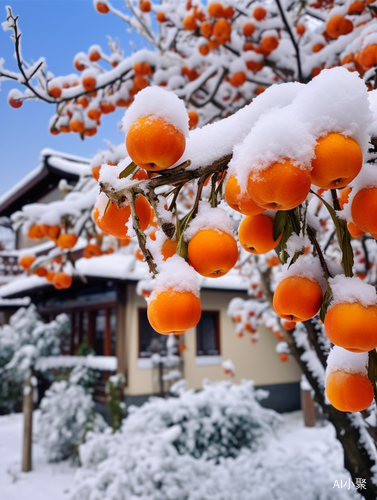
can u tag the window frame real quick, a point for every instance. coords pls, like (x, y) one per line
(218, 335)
(139, 311)
(90, 309)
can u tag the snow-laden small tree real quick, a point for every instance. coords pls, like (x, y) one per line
(67, 414)
(22, 342)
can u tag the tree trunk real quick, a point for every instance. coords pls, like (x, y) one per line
(356, 457)
(27, 409)
(357, 460)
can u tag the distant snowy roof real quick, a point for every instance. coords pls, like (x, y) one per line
(53, 167)
(115, 266)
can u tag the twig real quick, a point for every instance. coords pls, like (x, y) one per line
(141, 238)
(294, 43)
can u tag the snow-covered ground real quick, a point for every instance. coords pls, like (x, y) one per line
(300, 459)
(45, 482)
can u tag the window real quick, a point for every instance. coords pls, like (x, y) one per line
(208, 334)
(150, 341)
(98, 326)
(99, 332)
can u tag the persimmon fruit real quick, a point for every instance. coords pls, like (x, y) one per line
(89, 83)
(145, 6)
(212, 253)
(26, 261)
(41, 272)
(142, 69)
(168, 249)
(15, 103)
(92, 251)
(114, 220)
(281, 186)
(35, 232)
(248, 29)
(222, 30)
(215, 10)
(338, 25)
(259, 13)
(349, 391)
(297, 298)
(352, 326)
(154, 144)
(67, 240)
(173, 311)
(363, 210)
(354, 231)
(102, 8)
(256, 234)
(241, 202)
(338, 160)
(238, 79)
(62, 281)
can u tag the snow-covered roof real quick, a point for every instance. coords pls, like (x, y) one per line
(54, 165)
(116, 266)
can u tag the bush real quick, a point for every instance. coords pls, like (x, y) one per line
(22, 341)
(67, 414)
(154, 456)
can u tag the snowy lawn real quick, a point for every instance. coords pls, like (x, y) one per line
(45, 482)
(302, 460)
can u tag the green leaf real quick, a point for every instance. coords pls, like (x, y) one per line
(182, 248)
(107, 206)
(283, 242)
(280, 222)
(130, 169)
(294, 221)
(343, 237)
(325, 303)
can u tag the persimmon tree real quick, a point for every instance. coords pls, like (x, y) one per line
(287, 157)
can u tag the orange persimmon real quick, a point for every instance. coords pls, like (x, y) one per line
(212, 253)
(173, 311)
(297, 298)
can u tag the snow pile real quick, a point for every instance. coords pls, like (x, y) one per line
(22, 341)
(209, 218)
(306, 266)
(175, 274)
(155, 101)
(290, 131)
(67, 412)
(351, 290)
(351, 362)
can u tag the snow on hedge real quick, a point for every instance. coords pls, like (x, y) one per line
(105, 363)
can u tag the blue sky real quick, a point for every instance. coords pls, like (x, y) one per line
(56, 30)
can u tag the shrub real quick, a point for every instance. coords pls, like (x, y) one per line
(67, 414)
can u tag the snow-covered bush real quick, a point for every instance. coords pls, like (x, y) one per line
(142, 461)
(216, 422)
(22, 341)
(67, 414)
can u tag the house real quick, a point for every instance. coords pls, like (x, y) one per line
(107, 311)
